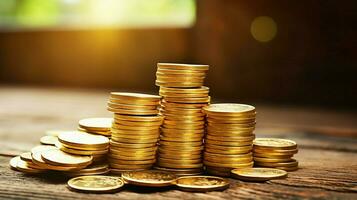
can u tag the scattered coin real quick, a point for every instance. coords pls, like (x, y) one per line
(150, 178)
(48, 140)
(100, 184)
(202, 183)
(258, 174)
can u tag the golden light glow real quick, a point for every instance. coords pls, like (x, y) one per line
(263, 29)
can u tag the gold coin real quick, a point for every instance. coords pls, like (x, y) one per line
(184, 123)
(229, 109)
(182, 139)
(128, 145)
(82, 148)
(228, 148)
(180, 155)
(23, 166)
(131, 162)
(58, 157)
(275, 143)
(258, 174)
(179, 84)
(180, 131)
(200, 90)
(180, 144)
(136, 133)
(129, 151)
(93, 168)
(173, 170)
(228, 160)
(133, 112)
(202, 183)
(231, 143)
(80, 152)
(120, 171)
(275, 152)
(40, 148)
(168, 105)
(135, 96)
(174, 151)
(133, 137)
(34, 165)
(292, 163)
(37, 159)
(131, 123)
(174, 79)
(226, 139)
(149, 178)
(131, 106)
(82, 139)
(178, 75)
(177, 66)
(229, 133)
(223, 156)
(179, 165)
(183, 95)
(134, 128)
(13, 162)
(138, 118)
(272, 160)
(184, 127)
(276, 156)
(231, 126)
(230, 165)
(179, 161)
(183, 135)
(130, 166)
(133, 157)
(104, 133)
(244, 149)
(135, 141)
(96, 183)
(228, 120)
(48, 140)
(228, 128)
(26, 157)
(188, 99)
(163, 147)
(181, 112)
(96, 123)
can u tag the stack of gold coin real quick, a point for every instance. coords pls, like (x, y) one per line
(135, 131)
(182, 132)
(275, 153)
(229, 139)
(81, 143)
(98, 126)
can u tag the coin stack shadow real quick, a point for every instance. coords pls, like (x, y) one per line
(279, 157)
(135, 131)
(182, 132)
(229, 138)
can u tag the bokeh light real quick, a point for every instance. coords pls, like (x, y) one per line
(263, 29)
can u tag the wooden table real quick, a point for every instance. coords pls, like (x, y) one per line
(327, 148)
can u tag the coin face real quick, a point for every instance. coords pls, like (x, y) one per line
(96, 183)
(13, 162)
(151, 178)
(83, 139)
(48, 140)
(96, 123)
(258, 174)
(58, 157)
(229, 108)
(275, 143)
(41, 148)
(202, 183)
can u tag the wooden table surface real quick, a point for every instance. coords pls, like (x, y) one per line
(327, 142)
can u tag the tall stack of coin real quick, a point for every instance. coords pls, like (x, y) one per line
(81, 143)
(182, 132)
(98, 126)
(135, 131)
(275, 153)
(229, 139)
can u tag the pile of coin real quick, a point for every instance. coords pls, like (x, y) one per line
(275, 153)
(98, 126)
(135, 131)
(82, 143)
(182, 132)
(229, 139)
(75, 154)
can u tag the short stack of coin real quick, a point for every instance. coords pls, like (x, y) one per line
(82, 143)
(275, 153)
(182, 132)
(135, 131)
(98, 126)
(229, 139)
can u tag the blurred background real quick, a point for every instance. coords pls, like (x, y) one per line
(278, 52)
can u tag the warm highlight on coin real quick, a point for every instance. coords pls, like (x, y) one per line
(258, 174)
(99, 184)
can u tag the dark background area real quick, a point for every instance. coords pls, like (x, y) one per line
(311, 61)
